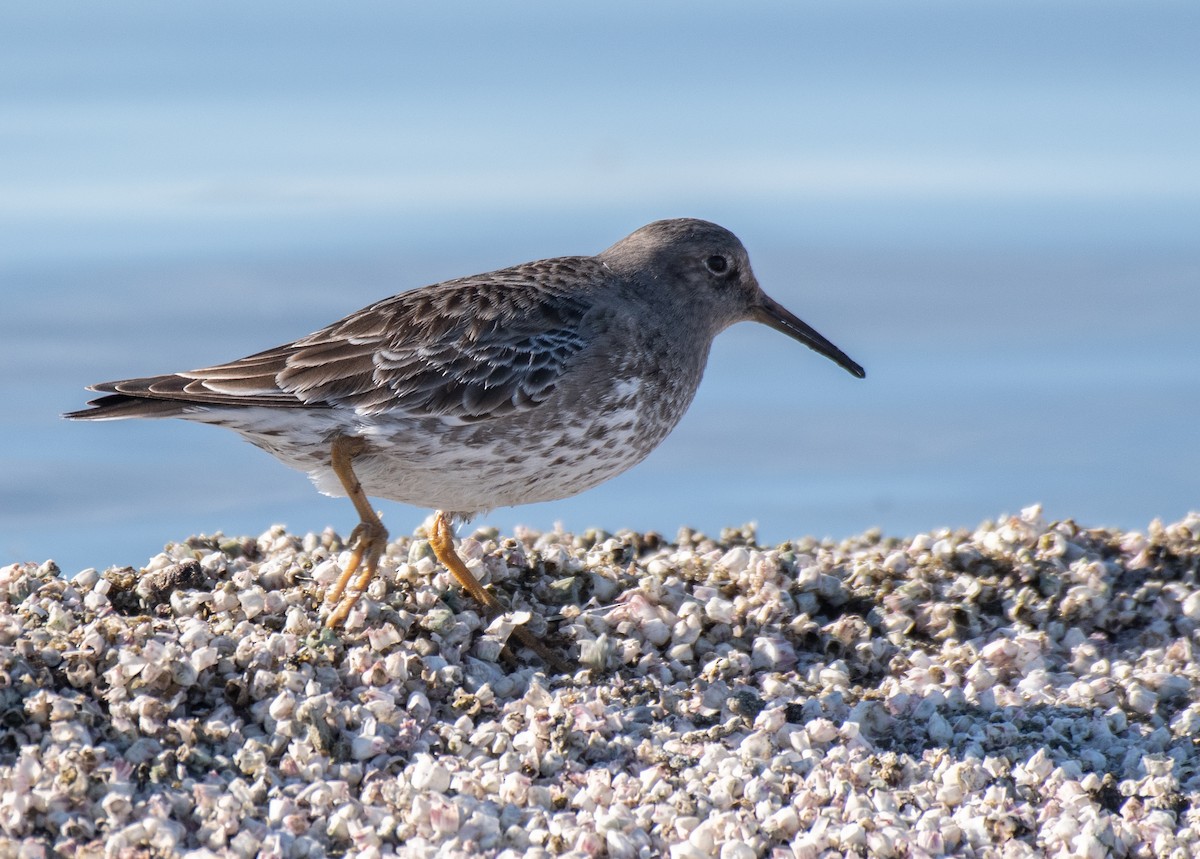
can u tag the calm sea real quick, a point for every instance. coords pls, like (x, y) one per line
(993, 208)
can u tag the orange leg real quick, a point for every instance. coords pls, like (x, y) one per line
(442, 542)
(368, 539)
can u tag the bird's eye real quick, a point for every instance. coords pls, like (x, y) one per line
(717, 264)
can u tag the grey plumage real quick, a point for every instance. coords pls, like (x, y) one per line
(526, 384)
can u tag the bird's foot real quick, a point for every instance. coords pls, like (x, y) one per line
(442, 542)
(369, 539)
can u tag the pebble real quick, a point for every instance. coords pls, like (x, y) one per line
(1027, 688)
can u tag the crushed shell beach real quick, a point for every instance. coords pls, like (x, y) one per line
(1029, 688)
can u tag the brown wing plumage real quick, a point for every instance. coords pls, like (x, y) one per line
(466, 350)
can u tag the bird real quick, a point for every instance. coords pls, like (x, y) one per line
(530, 383)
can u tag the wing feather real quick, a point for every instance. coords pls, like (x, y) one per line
(464, 350)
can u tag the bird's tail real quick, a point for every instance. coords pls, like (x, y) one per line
(119, 406)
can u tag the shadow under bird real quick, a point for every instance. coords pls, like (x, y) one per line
(530, 383)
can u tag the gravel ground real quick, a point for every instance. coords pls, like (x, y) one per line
(1026, 689)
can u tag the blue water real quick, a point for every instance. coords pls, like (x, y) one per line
(994, 207)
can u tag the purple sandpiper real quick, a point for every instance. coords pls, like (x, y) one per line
(530, 383)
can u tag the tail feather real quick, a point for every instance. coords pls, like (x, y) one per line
(170, 396)
(117, 406)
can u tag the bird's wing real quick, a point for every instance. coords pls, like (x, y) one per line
(462, 350)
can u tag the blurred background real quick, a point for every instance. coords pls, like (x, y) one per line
(993, 206)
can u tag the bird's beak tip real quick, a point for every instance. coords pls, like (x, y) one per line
(775, 315)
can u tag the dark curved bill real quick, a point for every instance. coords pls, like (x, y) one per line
(772, 313)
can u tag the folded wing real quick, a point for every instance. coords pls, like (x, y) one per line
(464, 350)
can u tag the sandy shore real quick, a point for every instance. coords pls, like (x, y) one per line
(1030, 688)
